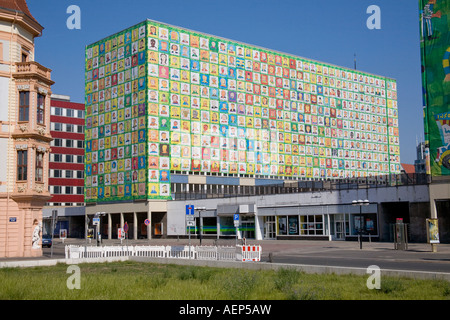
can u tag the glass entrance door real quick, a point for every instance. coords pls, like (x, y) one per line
(339, 230)
(269, 228)
(247, 227)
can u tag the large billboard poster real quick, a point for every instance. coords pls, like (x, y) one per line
(116, 117)
(216, 106)
(435, 53)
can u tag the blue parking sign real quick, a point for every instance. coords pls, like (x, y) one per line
(236, 216)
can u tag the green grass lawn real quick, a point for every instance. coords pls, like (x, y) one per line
(136, 280)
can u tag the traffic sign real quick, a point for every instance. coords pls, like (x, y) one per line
(96, 221)
(190, 213)
(189, 210)
(125, 227)
(147, 222)
(236, 220)
(190, 223)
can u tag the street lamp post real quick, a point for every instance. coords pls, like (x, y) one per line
(360, 203)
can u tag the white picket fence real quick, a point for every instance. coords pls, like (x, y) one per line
(239, 253)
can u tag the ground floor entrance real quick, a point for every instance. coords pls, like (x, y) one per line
(337, 222)
(136, 225)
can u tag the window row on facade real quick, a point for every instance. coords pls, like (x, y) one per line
(68, 174)
(66, 112)
(66, 127)
(66, 158)
(67, 143)
(66, 190)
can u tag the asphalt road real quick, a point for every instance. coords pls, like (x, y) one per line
(418, 257)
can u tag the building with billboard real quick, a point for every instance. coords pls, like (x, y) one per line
(435, 59)
(172, 111)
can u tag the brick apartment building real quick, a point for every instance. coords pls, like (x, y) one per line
(66, 166)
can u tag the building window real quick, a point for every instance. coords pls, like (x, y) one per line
(56, 173)
(69, 143)
(22, 158)
(39, 167)
(69, 127)
(40, 109)
(57, 157)
(24, 105)
(69, 158)
(57, 126)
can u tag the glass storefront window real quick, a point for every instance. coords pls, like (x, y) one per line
(311, 225)
(209, 225)
(368, 222)
(282, 226)
(303, 225)
(293, 225)
(227, 226)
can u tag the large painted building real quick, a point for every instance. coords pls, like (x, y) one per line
(25, 89)
(172, 111)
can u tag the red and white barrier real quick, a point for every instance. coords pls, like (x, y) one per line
(248, 253)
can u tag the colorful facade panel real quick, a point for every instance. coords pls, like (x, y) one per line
(435, 54)
(163, 99)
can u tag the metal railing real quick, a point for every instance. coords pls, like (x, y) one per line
(227, 191)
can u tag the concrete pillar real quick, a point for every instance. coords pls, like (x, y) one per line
(149, 227)
(109, 226)
(218, 227)
(135, 225)
(259, 228)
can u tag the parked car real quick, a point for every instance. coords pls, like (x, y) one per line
(47, 241)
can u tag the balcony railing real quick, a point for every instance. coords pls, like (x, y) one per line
(32, 67)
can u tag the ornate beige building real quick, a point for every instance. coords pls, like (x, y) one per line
(25, 90)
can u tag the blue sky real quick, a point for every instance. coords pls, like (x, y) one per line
(325, 30)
